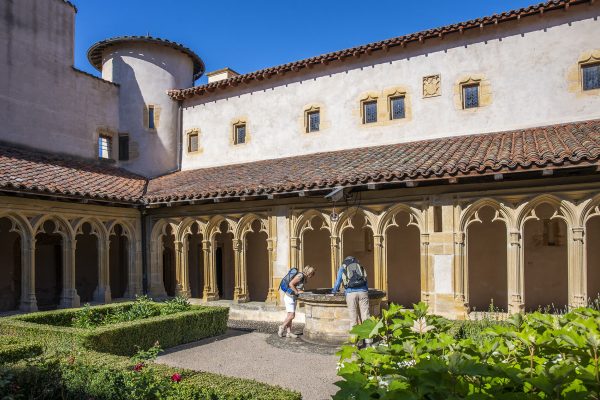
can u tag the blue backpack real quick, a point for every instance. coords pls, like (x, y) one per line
(285, 281)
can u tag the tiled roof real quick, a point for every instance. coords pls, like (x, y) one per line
(520, 150)
(97, 50)
(384, 45)
(35, 172)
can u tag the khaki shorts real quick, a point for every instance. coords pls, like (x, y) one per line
(358, 307)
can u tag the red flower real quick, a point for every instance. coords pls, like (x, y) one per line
(176, 377)
(138, 367)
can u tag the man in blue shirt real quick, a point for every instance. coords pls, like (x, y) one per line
(354, 277)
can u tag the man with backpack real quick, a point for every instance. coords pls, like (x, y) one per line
(354, 278)
(292, 285)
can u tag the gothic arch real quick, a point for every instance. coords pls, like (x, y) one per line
(471, 213)
(20, 225)
(345, 220)
(388, 218)
(562, 210)
(244, 225)
(303, 222)
(61, 226)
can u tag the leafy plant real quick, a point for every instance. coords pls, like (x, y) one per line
(421, 356)
(175, 305)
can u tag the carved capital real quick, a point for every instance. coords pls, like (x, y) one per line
(425, 238)
(459, 238)
(578, 234)
(335, 241)
(295, 242)
(378, 240)
(237, 244)
(515, 238)
(206, 245)
(271, 244)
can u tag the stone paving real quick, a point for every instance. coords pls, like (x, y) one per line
(253, 351)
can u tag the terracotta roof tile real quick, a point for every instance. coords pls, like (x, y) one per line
(549, 146)
(366, 50)
(33, 171)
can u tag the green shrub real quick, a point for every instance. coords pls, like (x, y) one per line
(123, 338)
(12, 349)
(420, 356)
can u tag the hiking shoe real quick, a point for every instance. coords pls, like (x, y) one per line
(280, 331)
(292, 335)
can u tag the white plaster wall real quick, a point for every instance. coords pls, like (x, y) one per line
(525, 62)
(145, 72)
(44, 102)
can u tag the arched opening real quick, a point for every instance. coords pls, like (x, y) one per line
(118, 262)
(10, 266)
(358, 242)
(403, 248)
(168, 258)
(86, 263)
(545, 261)
(225, 262)
(593, 259)
(316, 252)
(195, 262)
(48, 266)
(257, 263)
(487, 263)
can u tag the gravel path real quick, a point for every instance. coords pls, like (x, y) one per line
(248, 355)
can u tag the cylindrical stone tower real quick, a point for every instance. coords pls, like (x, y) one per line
(145, 69)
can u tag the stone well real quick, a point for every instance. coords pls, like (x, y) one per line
(327, 318)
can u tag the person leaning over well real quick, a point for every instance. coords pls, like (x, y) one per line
(292, 285)
(354, 278)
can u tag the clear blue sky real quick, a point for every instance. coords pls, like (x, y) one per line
(250, 35)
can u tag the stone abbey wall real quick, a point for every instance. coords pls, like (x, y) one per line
(528, 70)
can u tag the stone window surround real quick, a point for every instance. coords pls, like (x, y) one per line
(484, 92)
(593, 58)
(235, 123)
(307, 112)
(384, 111)
(188, 134)
(146, 116)
(109, 133)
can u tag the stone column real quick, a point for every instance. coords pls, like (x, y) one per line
(336, 257)
(272, 295)
(296, 252)
(380, 263)
(102, 293)
(426, 283)
(577, 268)
(210, 274)
(240, 292)
(515, 272)
(460, 269)
(182, 287)
(156, 284)
(69, 297)
(28, 302)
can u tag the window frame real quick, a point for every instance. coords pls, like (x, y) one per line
(237, 126)
(190, 135)
(391, 98)
(151, 117)
(463, 88)
(109, 144)
(363, 104)
(307, 121)
(590, 64)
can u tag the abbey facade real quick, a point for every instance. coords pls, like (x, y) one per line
(459, 164)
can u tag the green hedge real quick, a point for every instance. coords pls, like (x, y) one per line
(123, 338)
(13, 349)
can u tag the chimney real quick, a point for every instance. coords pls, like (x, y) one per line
(221, 74)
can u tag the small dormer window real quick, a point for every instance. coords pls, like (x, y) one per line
(590, 75)
(313, 121)
(470, 94)
(193, 142)
(397, 109)
(104, 147)
(239, 133)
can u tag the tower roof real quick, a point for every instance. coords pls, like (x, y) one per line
(95, 52)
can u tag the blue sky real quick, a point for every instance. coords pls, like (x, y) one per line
(250, 35)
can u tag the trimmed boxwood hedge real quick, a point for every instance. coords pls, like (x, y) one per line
(13, 349)
(123, 338)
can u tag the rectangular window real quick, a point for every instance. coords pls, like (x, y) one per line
(397, 110)
(123, 147)
(192, 142)
(104, 147)
(369, 112)
(313, 120)
(151, 117)
(591, 76)
(470, 96)
(240, 134)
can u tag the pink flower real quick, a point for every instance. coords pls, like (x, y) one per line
(176, 377)
(138, 367)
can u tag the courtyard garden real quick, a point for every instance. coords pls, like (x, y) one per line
(107, 352)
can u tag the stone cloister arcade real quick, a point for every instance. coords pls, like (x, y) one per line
(67, 255)
(513, 252)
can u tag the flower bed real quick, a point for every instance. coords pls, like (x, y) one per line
(121, 338)
(420, 356)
